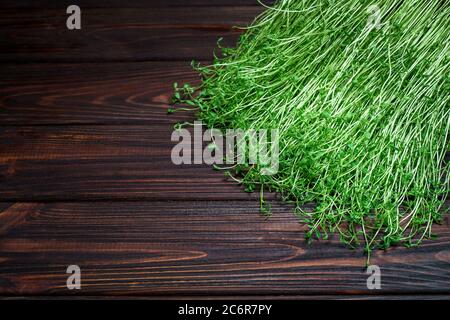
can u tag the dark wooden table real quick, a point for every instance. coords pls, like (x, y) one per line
(86, 176)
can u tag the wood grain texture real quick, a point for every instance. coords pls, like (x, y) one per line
(191, 248)
(106, 93)
(291, 297)
(130, 3)
(125, 34)
(86, 176)
(49, 163)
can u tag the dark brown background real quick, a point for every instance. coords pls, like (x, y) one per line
(86, 176)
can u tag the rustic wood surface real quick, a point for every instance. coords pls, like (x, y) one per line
(136, 34)
(193, 248)
(86, 176)
(119, 4)
(91, 93)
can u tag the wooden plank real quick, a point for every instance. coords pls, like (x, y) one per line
(91, 93)
(197, 248)
(129, 3)
(318, 298)
(128, 34)
(103, 162)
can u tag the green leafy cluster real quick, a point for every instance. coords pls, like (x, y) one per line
(362, 110)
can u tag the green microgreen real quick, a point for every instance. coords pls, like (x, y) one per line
(363, 113)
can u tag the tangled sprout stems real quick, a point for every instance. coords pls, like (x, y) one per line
(362, 110)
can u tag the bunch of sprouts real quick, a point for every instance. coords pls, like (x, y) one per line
(362, 110)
